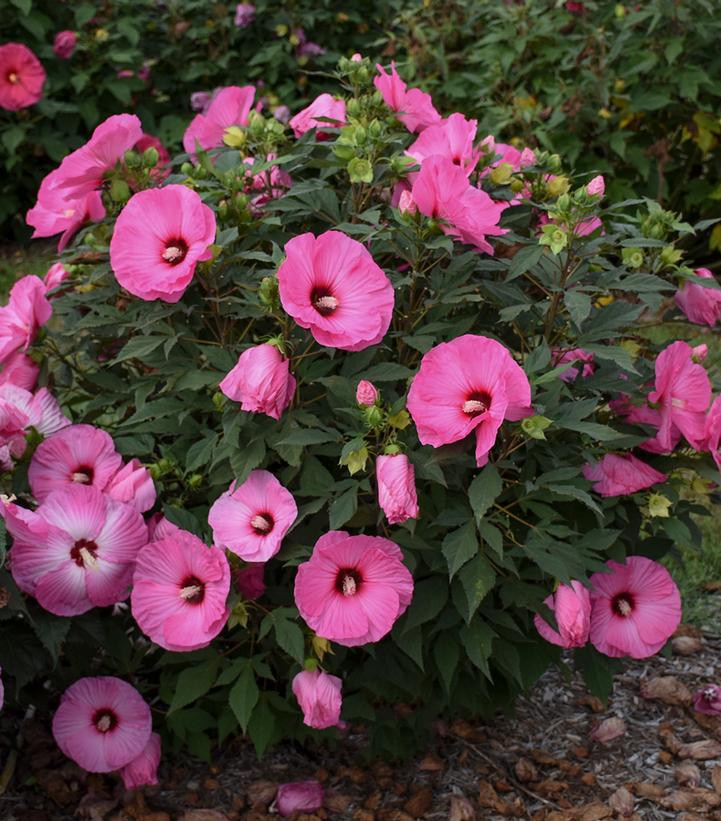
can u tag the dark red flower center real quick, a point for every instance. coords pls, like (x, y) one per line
(175, 251)
(105, 720)
(83, 475)
(192, 590)
(348, 581)
(262, 523)
(623, 604)
(323, 301)
(84, 553)
(477, 403)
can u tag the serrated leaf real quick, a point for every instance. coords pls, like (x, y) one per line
(459, 546)
(243, 696)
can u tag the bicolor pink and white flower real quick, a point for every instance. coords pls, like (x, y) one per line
(353, 588)
(261, 381)
(26, 312)
(620, 474)
(159, 238)
(324, 112)
(320, 698)
(230, 106)
(396, 480)
(468, 385)
(20, 410)
(76, 551)
(102, 724)
(441, 190)
(252, 519)
(571, 606)
(682, 394)
(143, 770)
(452, 138)
(701, 305)
(635, 608)
(22, 77)
(180, 588)
(414, 107)
(331, 285)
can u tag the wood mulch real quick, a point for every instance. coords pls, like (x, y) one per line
(562, 757)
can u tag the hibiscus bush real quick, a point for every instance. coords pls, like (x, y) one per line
(356, 420)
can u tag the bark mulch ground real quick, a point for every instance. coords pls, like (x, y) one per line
(563, 757)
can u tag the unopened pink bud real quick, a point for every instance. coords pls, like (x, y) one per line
(366, 393)
(406, 203)
(597, 186)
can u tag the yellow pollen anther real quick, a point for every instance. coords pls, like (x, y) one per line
(261, 523)
(329, 303)
(349, 586)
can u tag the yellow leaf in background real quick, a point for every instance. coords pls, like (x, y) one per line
(714, 242)
(632, 347)
(320, 646)
(399, 420)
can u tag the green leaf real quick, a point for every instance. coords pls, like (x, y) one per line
(243, 696)
(192, 683)
(290, 638)
(477, 639)
(601, 433)
(446, 652)
(597, 671)
(478, 578)
(429, 597)
(459, 546)
(139, 347)
(484, 490)
(308, 436)
(387, 372)
(344, 507)
(262, 727)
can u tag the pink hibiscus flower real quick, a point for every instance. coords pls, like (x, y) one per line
(453, 139)
(143, 770)
(27, 310)
(159, 238)
(701, 305)
(102, 723)
(261, 381)
(18, 369)
(396, 480)
(620, 474)
(55, 276)
(76, 551)
(414, 107)
(575, 355)
(320, 699)
(683, 394)
(64, 44)
(133, 485)
(331, 285)
(230, 106)
(634, 609)
(54, 213)
(22, 77)
(441, 191)
(571, 606)
(180, 587)
(712, 432)
(252, 519)
(353, 588)
(469, 384)
(324, 108)
(20, 410)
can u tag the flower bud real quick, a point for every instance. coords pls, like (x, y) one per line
(373, 416)
(119, 191)
(501, 174)
(319, 697)
(558, 185)
(268, 293)
(234, 136)
(396, 480)
(597, 186)
(360, 170)
(150, 157)
(143, 770)
(534, 426)
(132, 159)
(187, 168)
(366, 393)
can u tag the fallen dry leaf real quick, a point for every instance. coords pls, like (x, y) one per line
(592, 812)
(420, 802)
(526, 770)
(687, 774)
(261, 792)
(716, 778)
(667, 689)
(608, 730)
(646, 789)
(489, 798)
(695, 799)
(431, 763)
(461, 809)
(668, 738)
(686, 645)
(203, 815)
(622, 802)
(700, 750)
(592, 702)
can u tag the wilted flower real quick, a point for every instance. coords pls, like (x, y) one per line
(64, 44)
(299, 796)
(620, 474)
(708, 700)
(143, 770)
(571, 606)
(575, 355)
(261, 381)
(319, 696)
(249, 580)
(701, 305)
(396, 487)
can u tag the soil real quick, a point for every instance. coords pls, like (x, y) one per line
(564, 756)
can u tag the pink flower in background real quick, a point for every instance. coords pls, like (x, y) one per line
(712, 432)
(20, 411)
(644, 415)
(282, 113)
(266, 185)
(299, 796)
(701, 305)
(76, 455)
(574, 7)
(143, 770)
(453, 139)
(12, 434)
(56, 275)
(353, 588)
(324, 107)
(320, 699)
(102, 723)
(144, 72)
(517, 158)
(250, 582)
(597, 186)
(683, 394)
(261, 381)
(22, 77)
(575, 355)
(571, 606)
(54, 213)
(133, 485)
(708, 700)
(252, 520)
(200, 100)
(230, 106)
(180, 587)
(441, 191)
(159, 527)
(620, 474)
(27, 310)
(64, 44)
(125, 74)
(396, 480)
(366, 393)
(18, 369)
(634, 609)
(414, 107)
(244, 15)
(470, 384)
(76, 551)
(331, 285)
(159, 238)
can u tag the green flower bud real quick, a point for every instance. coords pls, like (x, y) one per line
(219, 400)
(187, 168)
(534, 426)
(356, 460)
(558, 185)
(119, 191)
(373, 416)
(132, 159)
(353, 108)
(375, 129)
(633, 257)
(268, 293)
(501, 174)
(360, 170)
(195, 481)
(658, 506)
(150, 157)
